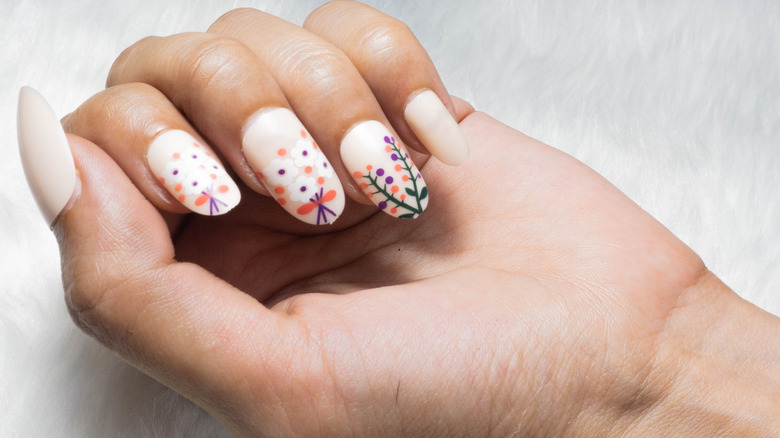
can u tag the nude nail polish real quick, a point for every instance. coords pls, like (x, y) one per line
(290, 164)
(191, 172)
(381, 166)
(46, 156)
(433, 124)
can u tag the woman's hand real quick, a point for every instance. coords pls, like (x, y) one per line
(531, 296)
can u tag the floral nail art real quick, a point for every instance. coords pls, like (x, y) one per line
(382, 168)
(395, 185)
(191, 173)
(298, 179)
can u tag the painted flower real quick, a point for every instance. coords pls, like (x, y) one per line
(323, 167)
(304, 153)
(195, 181)
(280, 172)
(302, 189)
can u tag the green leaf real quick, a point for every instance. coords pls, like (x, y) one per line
(424, 193)
(407, 216)
(411, 192)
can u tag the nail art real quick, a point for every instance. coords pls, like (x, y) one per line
(381, 166)
(433, 124)
(190, 171)
(46, 157)
(292, 167)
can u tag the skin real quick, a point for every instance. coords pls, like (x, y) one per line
(532, 298)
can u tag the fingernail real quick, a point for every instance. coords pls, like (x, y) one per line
(382, 167)
(433, 124)
(190, 171)
(292, 167)
(46, 157)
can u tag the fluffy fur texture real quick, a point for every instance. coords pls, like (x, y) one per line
(676, 103)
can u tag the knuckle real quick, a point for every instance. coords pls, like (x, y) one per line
(118, 72)
(217, 60)
(388, 41)
(312, 64)
(128, 104)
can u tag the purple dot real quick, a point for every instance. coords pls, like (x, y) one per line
(176, 172)
(194, 183)
(387, 139)
(382, 205)
(216, 167)
(392, 139)
(281, 172)
(389, 180)
(380, 171)
(394, 157)
(305, 153)
(194, 156)
(324, 164)
(303, 189)
(406, 155)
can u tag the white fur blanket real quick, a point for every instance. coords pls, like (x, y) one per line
(676, 103)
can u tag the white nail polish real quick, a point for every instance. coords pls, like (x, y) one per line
(191, 172)
(292, 167)
(433, 124)
(381, 166)
(46, 156)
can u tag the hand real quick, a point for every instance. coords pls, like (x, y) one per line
(530, 297)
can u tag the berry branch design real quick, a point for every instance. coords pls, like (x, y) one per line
(381, 183)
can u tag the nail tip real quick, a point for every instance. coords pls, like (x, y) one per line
(45, 154)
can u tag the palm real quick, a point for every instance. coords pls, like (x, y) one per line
(520, 239)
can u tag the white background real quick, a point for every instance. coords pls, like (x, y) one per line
(676, 103)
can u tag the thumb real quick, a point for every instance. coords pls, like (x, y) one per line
(176, 321)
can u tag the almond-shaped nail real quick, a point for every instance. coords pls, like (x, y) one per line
(433, 124)
(46, 156)
(292, 167)
(382, 168)
(191, 172)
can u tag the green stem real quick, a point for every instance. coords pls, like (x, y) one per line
(411, 175)
(390, 196)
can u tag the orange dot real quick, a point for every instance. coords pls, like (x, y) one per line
(393, 210)
(208, 154)
(202, 166)
(398, 167)
(197, 145)
(223, 189)
(388, 149)
(357, 175)
(369, 167)
(405, 177)
(178, 187)
(307, 169)
(259, 175)
(162, 180)
(370, 195)
(281, 201)
(363, 186)
(314, 144)
(320, 180)
(279, 189)
(403, 196)
(213, 176)
(176, 155)
(282, 152)
(394, 189)
(303, 133)
(181, 198)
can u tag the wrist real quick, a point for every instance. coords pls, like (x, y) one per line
(717, 364)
